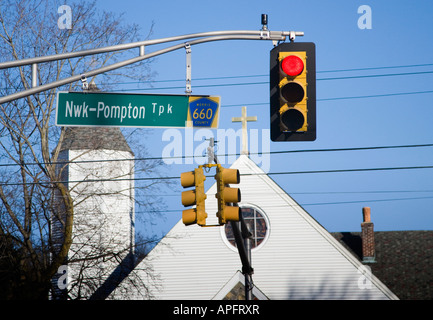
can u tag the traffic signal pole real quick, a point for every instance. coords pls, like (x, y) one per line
(187, 41)
(243, 243)
(243, 237)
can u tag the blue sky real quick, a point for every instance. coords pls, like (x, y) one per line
(391, 107)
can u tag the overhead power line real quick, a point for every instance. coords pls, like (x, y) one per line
(267, 82)
(242, 174)
(379, 68)
(302, 204)
(233, 84)
(377, 95)
(323, 71)
(350, 170)
(63, 162)
(267, 75)
(176, 194)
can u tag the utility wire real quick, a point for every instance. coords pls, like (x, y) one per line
(242, 174)
(310, 192)
(377, 95)
(319, 99)
(267, 82)
(323, 71)
(63, 162)
(267, 75)
(304, 204)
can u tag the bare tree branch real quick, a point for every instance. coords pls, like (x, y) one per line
(37, 198)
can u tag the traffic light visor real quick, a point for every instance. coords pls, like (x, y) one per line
(231, 213)
(292, 65)
(187, 179)
(232, 194)
(230, 175)
(189, 216)
(292, 119)
(188, 198)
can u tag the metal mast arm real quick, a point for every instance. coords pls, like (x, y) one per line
(273, 35)
(198, 38)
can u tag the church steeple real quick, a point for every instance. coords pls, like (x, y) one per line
(94, 138)
(103, 193)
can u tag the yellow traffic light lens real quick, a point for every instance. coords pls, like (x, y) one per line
(292, 120)
(292, 92)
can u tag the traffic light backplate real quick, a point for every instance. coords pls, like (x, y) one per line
(293, 96)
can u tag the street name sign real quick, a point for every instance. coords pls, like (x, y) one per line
(97, 109)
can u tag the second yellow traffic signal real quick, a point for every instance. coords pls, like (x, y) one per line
(226, 195)
(196, 197)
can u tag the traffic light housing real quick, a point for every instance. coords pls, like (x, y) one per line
(196, 197)
(293, 92)
(226, 195)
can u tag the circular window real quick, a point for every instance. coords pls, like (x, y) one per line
(256, 222)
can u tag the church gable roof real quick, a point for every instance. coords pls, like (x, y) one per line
(299, 259)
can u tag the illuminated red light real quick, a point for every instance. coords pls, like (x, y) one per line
(292, 65)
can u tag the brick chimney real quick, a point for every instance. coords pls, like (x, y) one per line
(367, 235)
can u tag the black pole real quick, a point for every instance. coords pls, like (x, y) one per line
(243, 243)
(243, 239)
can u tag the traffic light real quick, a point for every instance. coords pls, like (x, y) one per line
(194, 197)
(293, 92)
(226, 195)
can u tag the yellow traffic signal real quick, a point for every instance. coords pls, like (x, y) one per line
(226, 195)
(195, 197)
(293, 92)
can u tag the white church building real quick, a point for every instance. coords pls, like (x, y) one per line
(293, 256)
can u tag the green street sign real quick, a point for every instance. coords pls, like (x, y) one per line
(136, 110)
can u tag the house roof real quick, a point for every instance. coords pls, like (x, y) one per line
(404, 260)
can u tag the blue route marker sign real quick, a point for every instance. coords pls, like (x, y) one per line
(204, 111)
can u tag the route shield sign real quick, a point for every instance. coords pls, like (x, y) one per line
(136, 110)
